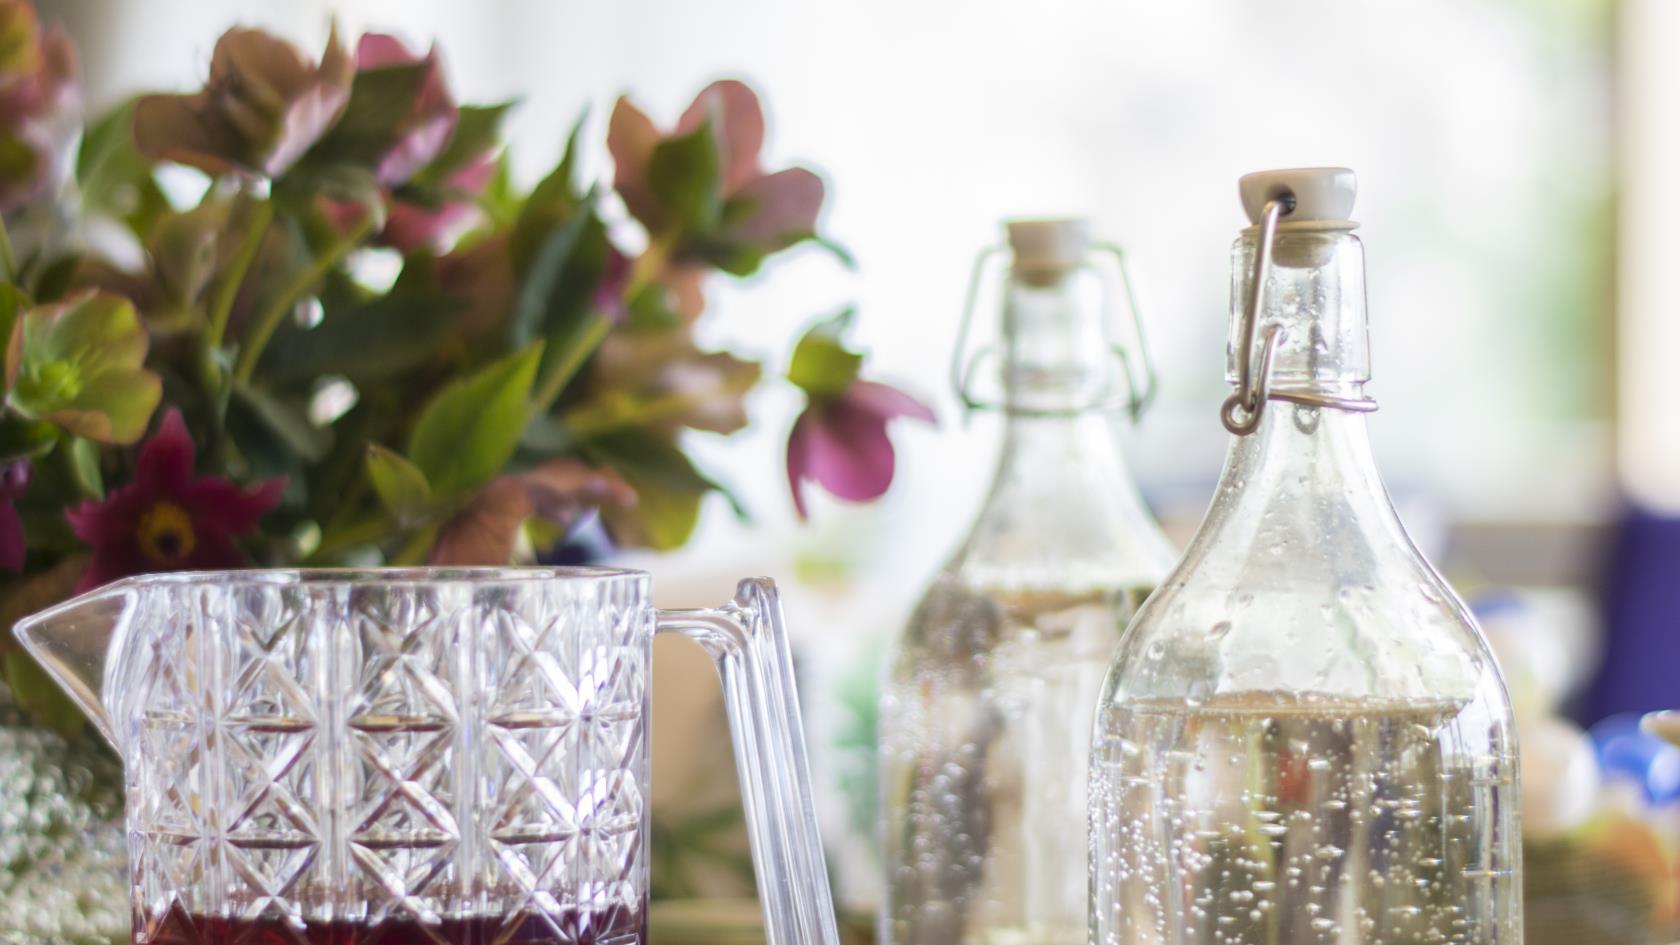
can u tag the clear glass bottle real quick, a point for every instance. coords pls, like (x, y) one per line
(986, 711)
(1304, 738)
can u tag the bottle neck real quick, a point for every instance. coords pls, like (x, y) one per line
(1058, 357)
(1306, 472)
(1314, 297)
(1063, 510)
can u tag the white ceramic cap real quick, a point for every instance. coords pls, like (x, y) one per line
(1048, 244)
(1321, 193)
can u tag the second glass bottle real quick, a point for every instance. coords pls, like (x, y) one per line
(986, 712)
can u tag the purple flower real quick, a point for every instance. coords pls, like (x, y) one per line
(841, 442)
(14, 479)
(40, 104)
(168, 519)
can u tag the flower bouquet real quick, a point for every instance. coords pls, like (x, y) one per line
(304, 316)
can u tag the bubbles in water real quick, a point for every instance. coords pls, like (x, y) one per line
(1339, 823)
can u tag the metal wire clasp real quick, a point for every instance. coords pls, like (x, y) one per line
(1140, 378)
(1242, 410)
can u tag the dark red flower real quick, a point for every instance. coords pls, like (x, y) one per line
(14, 479)
(841, 442)
(167, 519)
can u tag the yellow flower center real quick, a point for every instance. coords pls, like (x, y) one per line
(166, 533)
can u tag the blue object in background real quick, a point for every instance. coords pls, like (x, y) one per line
(1641, 670)
(1626, 751)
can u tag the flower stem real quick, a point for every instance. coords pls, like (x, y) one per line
(647, 268)
(585, 422)
(559, 374)
(251, 349)
(221, 307)
(650, 264)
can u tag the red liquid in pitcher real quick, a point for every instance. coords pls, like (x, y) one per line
(617, 926)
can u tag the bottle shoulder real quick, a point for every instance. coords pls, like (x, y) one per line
(960, 622)
(1396, 631)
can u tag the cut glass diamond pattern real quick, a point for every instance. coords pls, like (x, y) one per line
(370, 751)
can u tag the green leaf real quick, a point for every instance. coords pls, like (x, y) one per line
(115, 179)
(499, 200)
(546, 436)
(20, 438)
(662, 519)
(287, 422)
(822, 366)
(558, 293)
(553, 201)
(37, 692)
(370, 341)
(83, 457)
(478, 129)
(58, 278)
(467, 433)
(381, 100)
(685, 177)
(401, 486)
(668, 488)
(648, 458)
(13, 301)
(836, 250)
(19, 161)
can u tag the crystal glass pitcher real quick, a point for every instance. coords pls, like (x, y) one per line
(417, 756)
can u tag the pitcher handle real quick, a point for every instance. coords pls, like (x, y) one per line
(748, 640)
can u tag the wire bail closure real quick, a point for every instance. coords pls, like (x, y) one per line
(1241, 412)
(1140, 379)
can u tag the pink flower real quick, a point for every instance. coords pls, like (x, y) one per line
(729, 213)
(425, 130)
(40, 104)
(167, 519)
(14, 479)
(423, 135)
(841, 442)
(410, 227)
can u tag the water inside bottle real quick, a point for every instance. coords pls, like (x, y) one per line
(991, 824)
(1272, 818)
